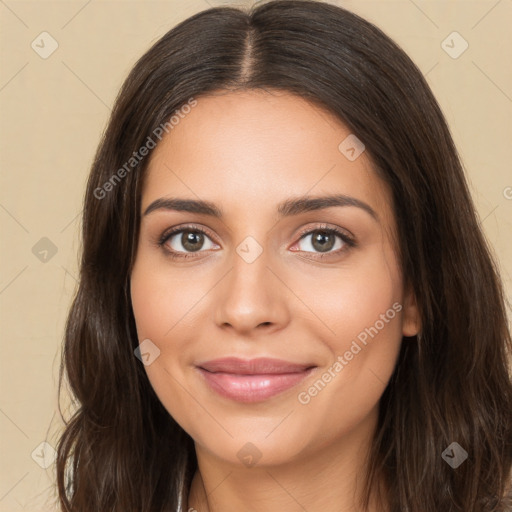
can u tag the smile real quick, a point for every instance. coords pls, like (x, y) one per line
(250, 381)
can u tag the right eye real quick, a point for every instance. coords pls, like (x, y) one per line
(183, 242)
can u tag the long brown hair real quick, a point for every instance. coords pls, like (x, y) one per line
(121, 450)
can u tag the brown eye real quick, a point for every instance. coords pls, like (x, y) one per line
(182, 242)
(192, 241)
(324, 241)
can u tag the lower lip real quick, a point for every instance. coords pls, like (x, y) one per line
(252, 388)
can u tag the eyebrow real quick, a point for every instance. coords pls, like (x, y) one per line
(292, 206)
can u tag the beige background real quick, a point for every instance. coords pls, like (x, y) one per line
(53, 111)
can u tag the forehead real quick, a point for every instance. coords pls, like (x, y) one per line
(254, 149)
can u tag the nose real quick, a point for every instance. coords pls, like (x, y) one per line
(251, 297)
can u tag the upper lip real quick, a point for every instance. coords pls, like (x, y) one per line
(261, 365)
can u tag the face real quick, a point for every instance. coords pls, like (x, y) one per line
(266, 270)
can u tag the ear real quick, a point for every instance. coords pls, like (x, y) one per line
(411, 319)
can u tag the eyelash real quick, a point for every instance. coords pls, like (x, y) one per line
(347, 240)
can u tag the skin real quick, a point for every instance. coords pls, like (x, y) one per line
(247, 152)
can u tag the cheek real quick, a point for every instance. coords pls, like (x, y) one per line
(362, 309)
(369, 306)
(166, 306)
(349, 388)
(356, 300)
(163, 301)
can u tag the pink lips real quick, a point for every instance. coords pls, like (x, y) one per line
(252, 380)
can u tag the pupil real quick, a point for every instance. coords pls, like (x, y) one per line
(192, 241)
(321, 238)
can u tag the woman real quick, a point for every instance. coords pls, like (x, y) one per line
(285, 300)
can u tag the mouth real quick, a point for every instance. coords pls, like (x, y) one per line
(252, 380)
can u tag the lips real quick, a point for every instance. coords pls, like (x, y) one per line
(252, 380)
(261, 365)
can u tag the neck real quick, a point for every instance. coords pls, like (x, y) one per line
(330, 479)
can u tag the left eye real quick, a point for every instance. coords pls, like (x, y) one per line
(323, 240)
